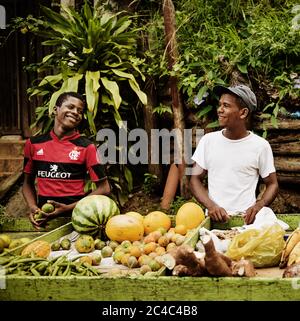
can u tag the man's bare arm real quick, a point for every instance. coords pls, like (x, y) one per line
(266, 199)
(201, 194)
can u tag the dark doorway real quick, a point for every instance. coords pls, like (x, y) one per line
(16, 51)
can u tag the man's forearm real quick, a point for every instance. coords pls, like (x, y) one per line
(269, 195)
(30, 196)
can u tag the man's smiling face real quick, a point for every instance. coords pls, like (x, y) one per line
(70, 113)
(229, 112)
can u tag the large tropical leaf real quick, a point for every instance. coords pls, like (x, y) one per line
(91, 89)
(113, 89)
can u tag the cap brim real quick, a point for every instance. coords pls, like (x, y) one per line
(220, 90)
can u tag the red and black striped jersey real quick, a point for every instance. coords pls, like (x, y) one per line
(60, 166)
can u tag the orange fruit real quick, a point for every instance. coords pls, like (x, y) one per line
(180, 229)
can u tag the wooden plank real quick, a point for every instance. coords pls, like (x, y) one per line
(49, 237)
(153, 288)
(288, 148)
(289, 124)
(288, 177)
(287, 164)
(293, 220)
(139, 288)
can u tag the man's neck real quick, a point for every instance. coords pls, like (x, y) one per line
(61, 132)
(235, 133)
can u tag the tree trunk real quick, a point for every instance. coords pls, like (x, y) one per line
(150, 122)
(177, 105)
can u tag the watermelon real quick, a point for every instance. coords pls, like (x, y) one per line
(91, 213)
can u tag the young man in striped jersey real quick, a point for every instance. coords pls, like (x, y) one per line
(59, 161)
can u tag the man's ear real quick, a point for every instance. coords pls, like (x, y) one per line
(244, 113)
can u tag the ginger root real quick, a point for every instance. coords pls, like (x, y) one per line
(216, 264)
(292, 271)
(186, 262)
(243, 268)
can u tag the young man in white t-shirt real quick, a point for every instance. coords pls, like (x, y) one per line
(233, 159)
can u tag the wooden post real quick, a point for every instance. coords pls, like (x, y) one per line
(177, 105)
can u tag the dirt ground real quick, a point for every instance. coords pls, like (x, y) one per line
(142, 203)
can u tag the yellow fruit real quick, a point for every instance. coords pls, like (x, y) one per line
(124, 259)
(107, 251)
(132, 262)
(160, 250)
(155, 220)
(180, 229)
(135, 251)
(96, 259)
(150, 247)
(25, 240)
(98, 244)
(15, 243)
(6, 239)
(124, 227)
(163, 241)
(117, 256)
(144, 259)
(154, 265)
(136, 215)
(190, 215)
(86, 259)
(290, 243)
(294, 256)
(38, 248)
(84, 244)
(1, 246)
(145, 268)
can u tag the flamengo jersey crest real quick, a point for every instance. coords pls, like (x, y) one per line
(74, 154)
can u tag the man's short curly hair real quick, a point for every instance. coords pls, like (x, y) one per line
(64, 96)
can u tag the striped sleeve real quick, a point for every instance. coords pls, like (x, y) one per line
(95, 168)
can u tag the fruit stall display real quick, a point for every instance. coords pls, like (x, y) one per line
(151, 257)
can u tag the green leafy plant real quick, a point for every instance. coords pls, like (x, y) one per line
(255, 42)
(176, 204)
(150, 183)
(161, 109)
(95, 54)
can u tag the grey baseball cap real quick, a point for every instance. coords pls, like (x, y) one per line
(242, 91)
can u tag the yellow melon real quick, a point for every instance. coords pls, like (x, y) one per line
(190, 215)
(136, 215)
(156, 220)
(38, 248)
(124, 227)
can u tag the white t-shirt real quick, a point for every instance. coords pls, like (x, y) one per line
(234, 167)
